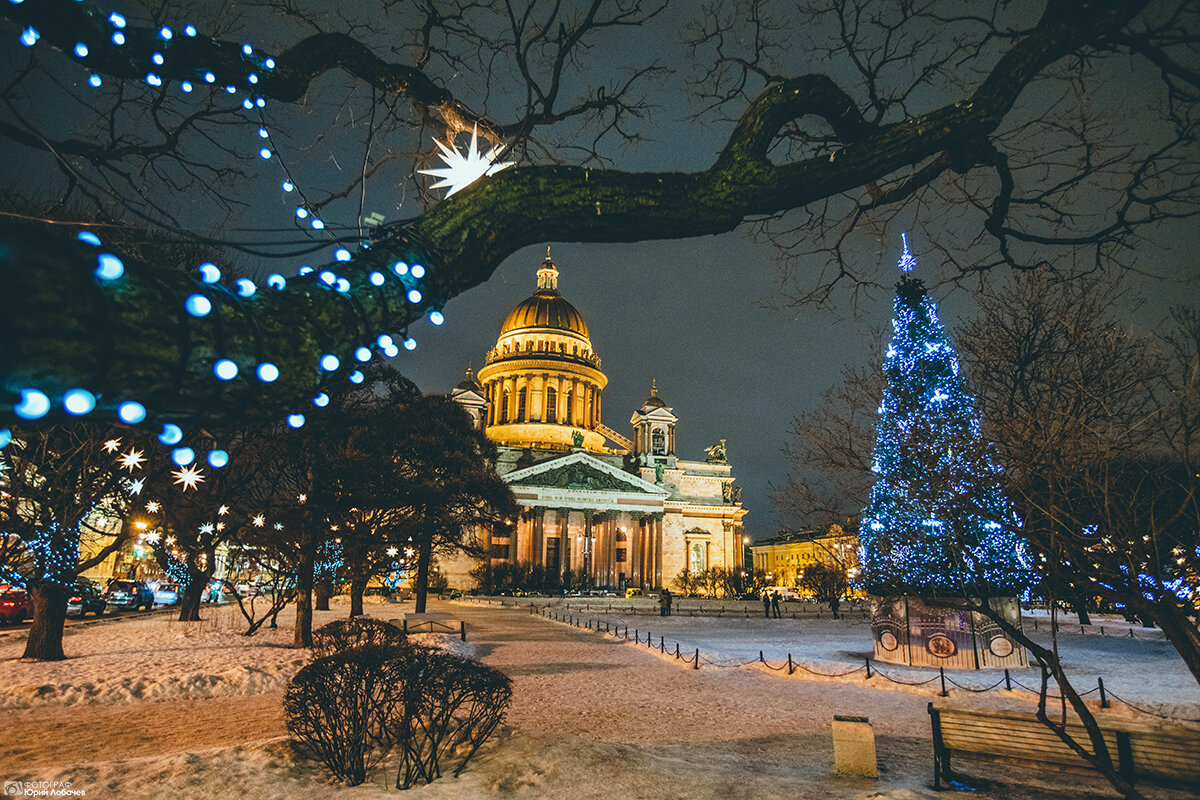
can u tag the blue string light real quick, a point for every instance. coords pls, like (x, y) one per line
(171, 434)
(198, 305)
(131, 412)
(32, 405)
(78, 402)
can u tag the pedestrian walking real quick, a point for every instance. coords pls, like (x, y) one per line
(664, 602)
(775, 605)
(833, 606)
(670, 597)
(767, 605)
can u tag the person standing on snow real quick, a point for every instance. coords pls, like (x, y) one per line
(775, 605)
(767, 605)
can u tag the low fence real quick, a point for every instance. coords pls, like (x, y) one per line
(680, 608)
(868, 669)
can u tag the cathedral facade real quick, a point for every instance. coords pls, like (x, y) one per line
(627, 511)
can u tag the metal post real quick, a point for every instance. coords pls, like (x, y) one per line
(406, 627)
(789, 663)
(462, 630)
(1103, 695)
(760, 657)
(1007, 681)
(697, 666)
(942, 672)
(662, 645)
(868, 669)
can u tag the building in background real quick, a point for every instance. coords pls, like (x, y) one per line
(786, 556)
(627, 511)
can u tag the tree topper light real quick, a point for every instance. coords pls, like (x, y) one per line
(463, 169)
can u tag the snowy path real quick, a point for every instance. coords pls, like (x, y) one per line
(591, 718)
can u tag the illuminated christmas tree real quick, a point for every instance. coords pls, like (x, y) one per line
(937, 523)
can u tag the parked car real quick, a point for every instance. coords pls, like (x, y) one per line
(167, 594)
(14, 604)
(84, 597)
(130, 594)
(633, 591)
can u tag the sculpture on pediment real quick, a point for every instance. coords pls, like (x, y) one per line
(577, 438)
(658, 473)
(716, 453)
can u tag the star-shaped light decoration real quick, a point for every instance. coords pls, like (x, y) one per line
(220, 526)
(153, 506)
(333, 528)
(132, 460)
(206, 527)
(391, 551)
(259, 520)
(463, 169)
(222, 511)
(136, 486)
(278, 526)
(188, 477)
(302, 499)
(152, 537)
(170, 540)
(112, 445)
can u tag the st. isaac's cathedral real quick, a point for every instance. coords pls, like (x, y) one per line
(628, 511)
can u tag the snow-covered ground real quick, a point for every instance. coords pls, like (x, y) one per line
(150, 707)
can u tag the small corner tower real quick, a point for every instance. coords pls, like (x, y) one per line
(654, 431)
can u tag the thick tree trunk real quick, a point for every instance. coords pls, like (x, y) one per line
(1079, 604)
(421, 590)
(1180, 632)
(193, 596)
(45, 642)
(302, 636)
(358, 586)
(323, 591)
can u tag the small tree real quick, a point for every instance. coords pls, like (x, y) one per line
(826, 582)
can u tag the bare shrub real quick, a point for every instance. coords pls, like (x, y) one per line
(452, 705)
(339, 705)
(348, 634)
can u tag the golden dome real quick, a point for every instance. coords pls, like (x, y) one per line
(545, 308)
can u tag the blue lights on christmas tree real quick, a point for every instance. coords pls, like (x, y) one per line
(937, 523)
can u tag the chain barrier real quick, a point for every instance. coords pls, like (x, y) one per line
(793, 666)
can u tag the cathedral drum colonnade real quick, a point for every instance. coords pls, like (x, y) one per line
(627, 511)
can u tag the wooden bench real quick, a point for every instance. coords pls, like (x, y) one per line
(1143, 753)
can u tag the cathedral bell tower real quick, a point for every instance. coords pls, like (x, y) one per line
(654, 431)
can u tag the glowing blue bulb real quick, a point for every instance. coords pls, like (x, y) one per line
(78, 402)
(362, 354)
(321, 400)
(418, 271)
(251, 78)
(157, 58)
(198, 305)
(304, 270)
(131, 412)
(153, 79)
(288, 186)
(185, 87)
(410, 343)
(32, 405)
(400, 268)
(29, 36)
(117, 20)
(263, 134)
(189, 30)
(267, 372)
(165, 34)
(183, 456)
(265, 152)
(329, 362)
(231, 89)
(258, 101)
(87, 237)
(327, 277)
(269, 63)
(245, 287)
(383, 340)
(247, 49)
(276, 281)
(391, 351)
(317, 224)
(209, 77)
(225, 369)
(295, 420)
(217, 458)
(343, 285)
(5, 437)
(209, 272)
(376, 278)
(301, 212)
(118, 38)
(356, 377)
(341, 254)
(95, 80)
(246, 104)
(171, 434)
(414, 296)
(436, 317)
(109, 267)
(81, 49)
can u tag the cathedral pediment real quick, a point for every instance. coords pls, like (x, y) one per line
(581, 472)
